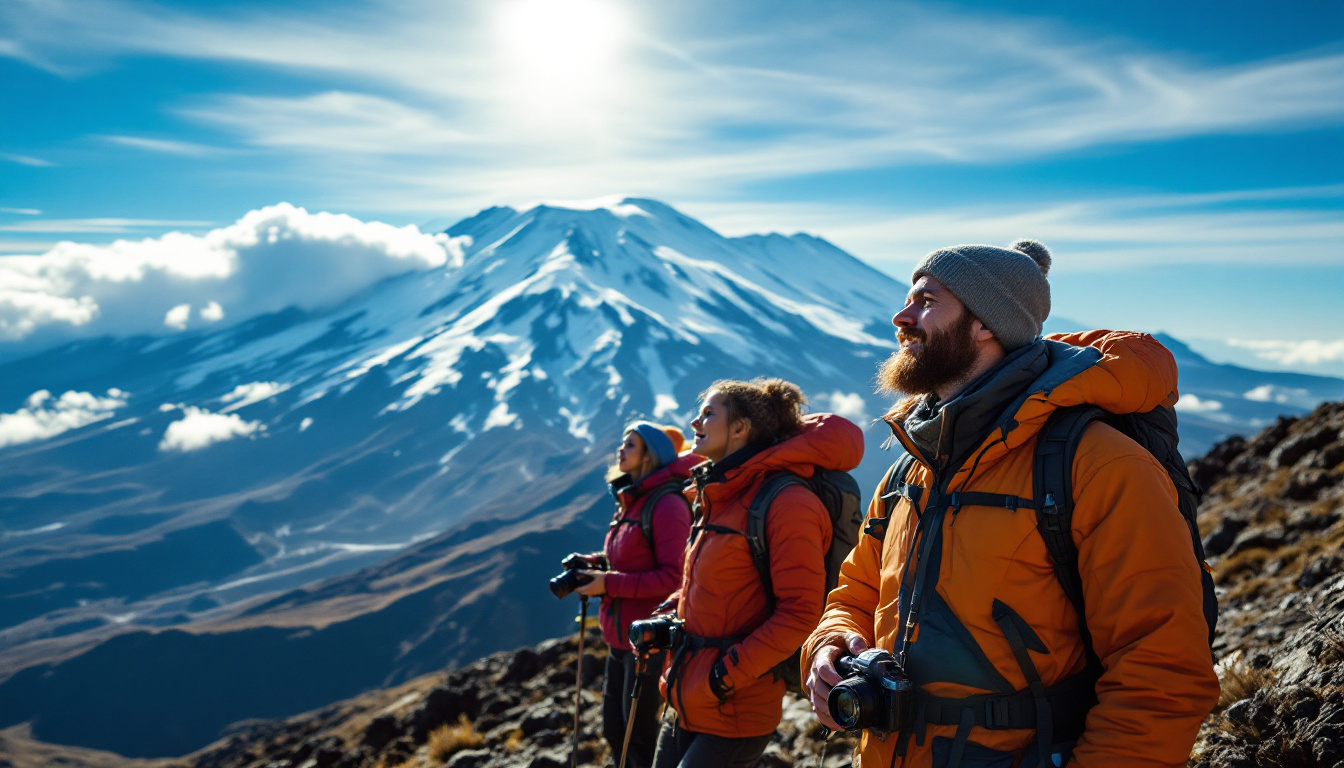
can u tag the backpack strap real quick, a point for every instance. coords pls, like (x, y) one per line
(651, 499)
(895, 487)
(1052, 486)
(769, 490)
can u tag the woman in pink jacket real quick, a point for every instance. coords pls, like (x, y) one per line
(638, 567)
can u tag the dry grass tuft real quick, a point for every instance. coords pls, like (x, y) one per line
(1238, 680)
(515, 740)
(447, 740)
(1244, 563)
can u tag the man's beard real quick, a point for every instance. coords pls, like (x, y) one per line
(945, 358)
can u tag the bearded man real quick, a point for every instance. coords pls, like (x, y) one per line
(993, 665)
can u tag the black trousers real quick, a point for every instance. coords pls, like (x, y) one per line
(680, 748)
(616, 708)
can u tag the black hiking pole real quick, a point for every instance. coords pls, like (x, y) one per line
(635, 690)
(578, 678)
(821, 762)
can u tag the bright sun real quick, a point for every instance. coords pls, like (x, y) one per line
(560, 55)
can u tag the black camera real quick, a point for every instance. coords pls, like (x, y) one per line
(567, 582)
(875, 693)
(656, 634)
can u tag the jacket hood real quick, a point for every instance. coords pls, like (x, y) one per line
(826, 440)
(1119, 371)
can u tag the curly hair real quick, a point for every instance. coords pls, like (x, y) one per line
(773, 408)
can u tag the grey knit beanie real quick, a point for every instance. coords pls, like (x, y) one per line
(1004, 287)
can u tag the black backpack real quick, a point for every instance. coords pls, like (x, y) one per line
(651, 499)
(1052, 485)
(839, 493)
(1052, 494)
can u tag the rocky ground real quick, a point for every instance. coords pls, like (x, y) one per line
(1273, 529)
(510, 710)
(1274, 533)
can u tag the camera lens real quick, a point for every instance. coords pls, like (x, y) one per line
(854, 704)
(566, 582)
(650, 634)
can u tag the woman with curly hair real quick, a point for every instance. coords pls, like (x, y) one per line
(720, 681)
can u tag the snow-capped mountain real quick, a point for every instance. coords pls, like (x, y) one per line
(429, 447)
(331, 438)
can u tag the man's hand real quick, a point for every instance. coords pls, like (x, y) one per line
(823, 676)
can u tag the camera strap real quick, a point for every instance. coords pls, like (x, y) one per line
(927, 533)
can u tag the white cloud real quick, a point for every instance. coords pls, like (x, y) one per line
(34, 162)
(22, 211)
(276, 257)
(212, 312)
(305, 424)
(244, 395)
(690, 93)
(200, 428)
(1096, 233)
(850, 405)
(1269, 393)
(1308, 352)
(163, 146)
(1196, 404)
(176, 318)
(95, 226)
(43, 417)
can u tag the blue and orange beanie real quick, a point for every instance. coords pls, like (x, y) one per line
(664, 443)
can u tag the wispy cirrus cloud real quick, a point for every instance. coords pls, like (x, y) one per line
(101, 225)
(164, 146)
(427, 90)
(1096, 233)
(33, 162)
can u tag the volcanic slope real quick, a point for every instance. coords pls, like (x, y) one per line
(406, 468)
(430, 449)
(1274, 525)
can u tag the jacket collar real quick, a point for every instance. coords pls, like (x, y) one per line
(945, 435)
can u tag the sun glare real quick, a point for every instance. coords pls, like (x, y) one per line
(560, 56)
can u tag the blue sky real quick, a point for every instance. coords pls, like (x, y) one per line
(1185, 161)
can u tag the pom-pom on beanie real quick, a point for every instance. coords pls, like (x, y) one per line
(663, 443)
(1004, 287)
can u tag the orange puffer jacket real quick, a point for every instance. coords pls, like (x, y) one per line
(721, 593)
(1140, 579)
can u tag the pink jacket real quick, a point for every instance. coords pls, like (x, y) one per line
(642, 577)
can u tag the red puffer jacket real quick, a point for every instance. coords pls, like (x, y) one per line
(721, 593)
(643, 576)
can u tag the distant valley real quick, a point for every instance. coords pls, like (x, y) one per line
(405, 469)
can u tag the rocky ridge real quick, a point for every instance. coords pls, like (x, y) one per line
(1273, 525)
(508, 710)
(1272, 519)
